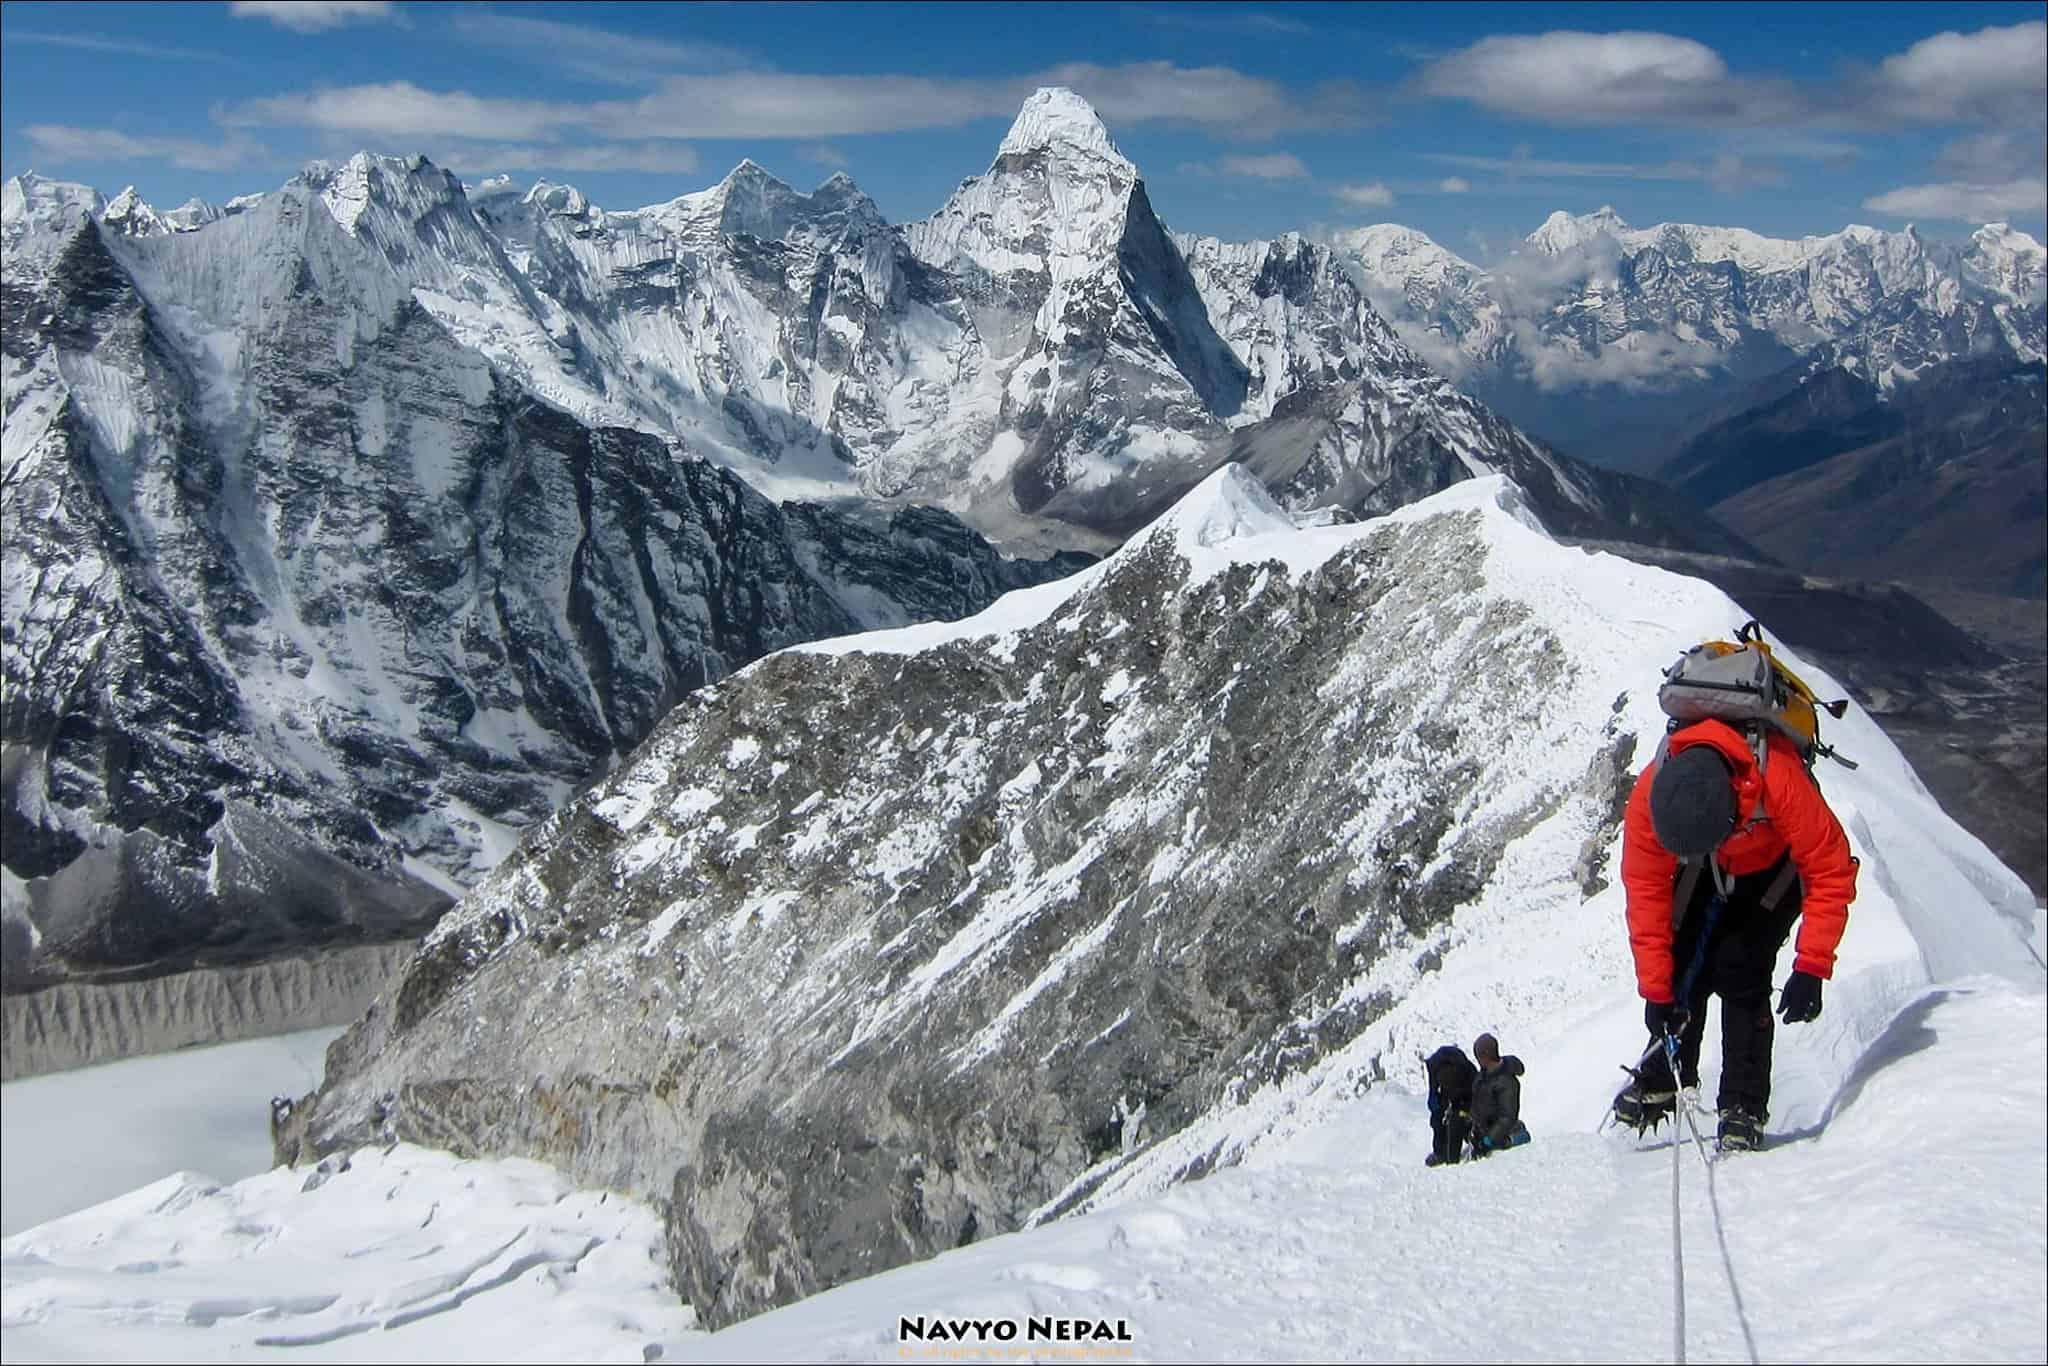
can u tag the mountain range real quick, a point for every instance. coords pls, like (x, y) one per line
(353, 526)
(1614, 341)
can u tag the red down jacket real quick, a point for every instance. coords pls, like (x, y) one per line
(1796, 817)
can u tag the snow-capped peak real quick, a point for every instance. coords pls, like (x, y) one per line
(34, 207)
(29, 196)
(192, 215)
(1055, 116)
(1390, 248)
(754, 202)
(2000, 245)
(1229, 505)
(411, 186)
(1563, 231)
(563, 201)
(2007, 236)
(129, 213)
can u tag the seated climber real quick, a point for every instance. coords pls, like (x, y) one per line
(1496, 1100)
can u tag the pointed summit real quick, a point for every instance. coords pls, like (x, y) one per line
(128, 213)
(1055, 116)
(1563, 231)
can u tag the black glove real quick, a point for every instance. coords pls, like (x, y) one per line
(1665, 1017)
(1800, 1000)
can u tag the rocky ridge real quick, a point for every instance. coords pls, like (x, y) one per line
(892, 943)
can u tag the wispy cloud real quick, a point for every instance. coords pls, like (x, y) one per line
(1725, 171)
(1373, 195)
(1574, 78)
(660, 158)
(2004, 154)
(313, 16)
(1454, 184)
(93, 42)
(403, 112)
(1222, 19)
(1271, 166)
(597, 54)
(58, 144)
(1964, 201)
(768, 104)
(823, 155)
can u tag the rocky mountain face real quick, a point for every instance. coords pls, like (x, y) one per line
(1608, 339)
(309, 608)
(880, 947)
(1944, 486)
(352, 526)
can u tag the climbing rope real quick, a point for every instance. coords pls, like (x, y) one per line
(1688, 1105)
(1677, 1223)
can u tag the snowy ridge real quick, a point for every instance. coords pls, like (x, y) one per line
(1372, 769)
(1907, 1152)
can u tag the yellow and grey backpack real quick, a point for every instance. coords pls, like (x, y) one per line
(1743, 683)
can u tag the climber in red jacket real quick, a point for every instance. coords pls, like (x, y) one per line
(1718, 860)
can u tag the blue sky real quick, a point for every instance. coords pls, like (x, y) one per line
(1470, 122)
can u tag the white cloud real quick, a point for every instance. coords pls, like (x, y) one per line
(1575, 78)
(1568, 77)
(1965, 202)
(1271, 166)
(401, 111)
(823, 154)
(1454, 184)
(1374, 195)
(61, 143)
(312, 16)
(773, 104)
(1989, 73)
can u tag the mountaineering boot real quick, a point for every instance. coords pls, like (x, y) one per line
(1644, 1103)
(1742, 1131)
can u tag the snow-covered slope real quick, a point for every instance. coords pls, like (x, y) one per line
(1904, 1225)
(1897, 1213)
(1102, 892)
(309, 607)
(1592, 308)
(364, 519)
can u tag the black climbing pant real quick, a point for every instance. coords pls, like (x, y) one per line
(1450, 1127)
(1740, 953)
